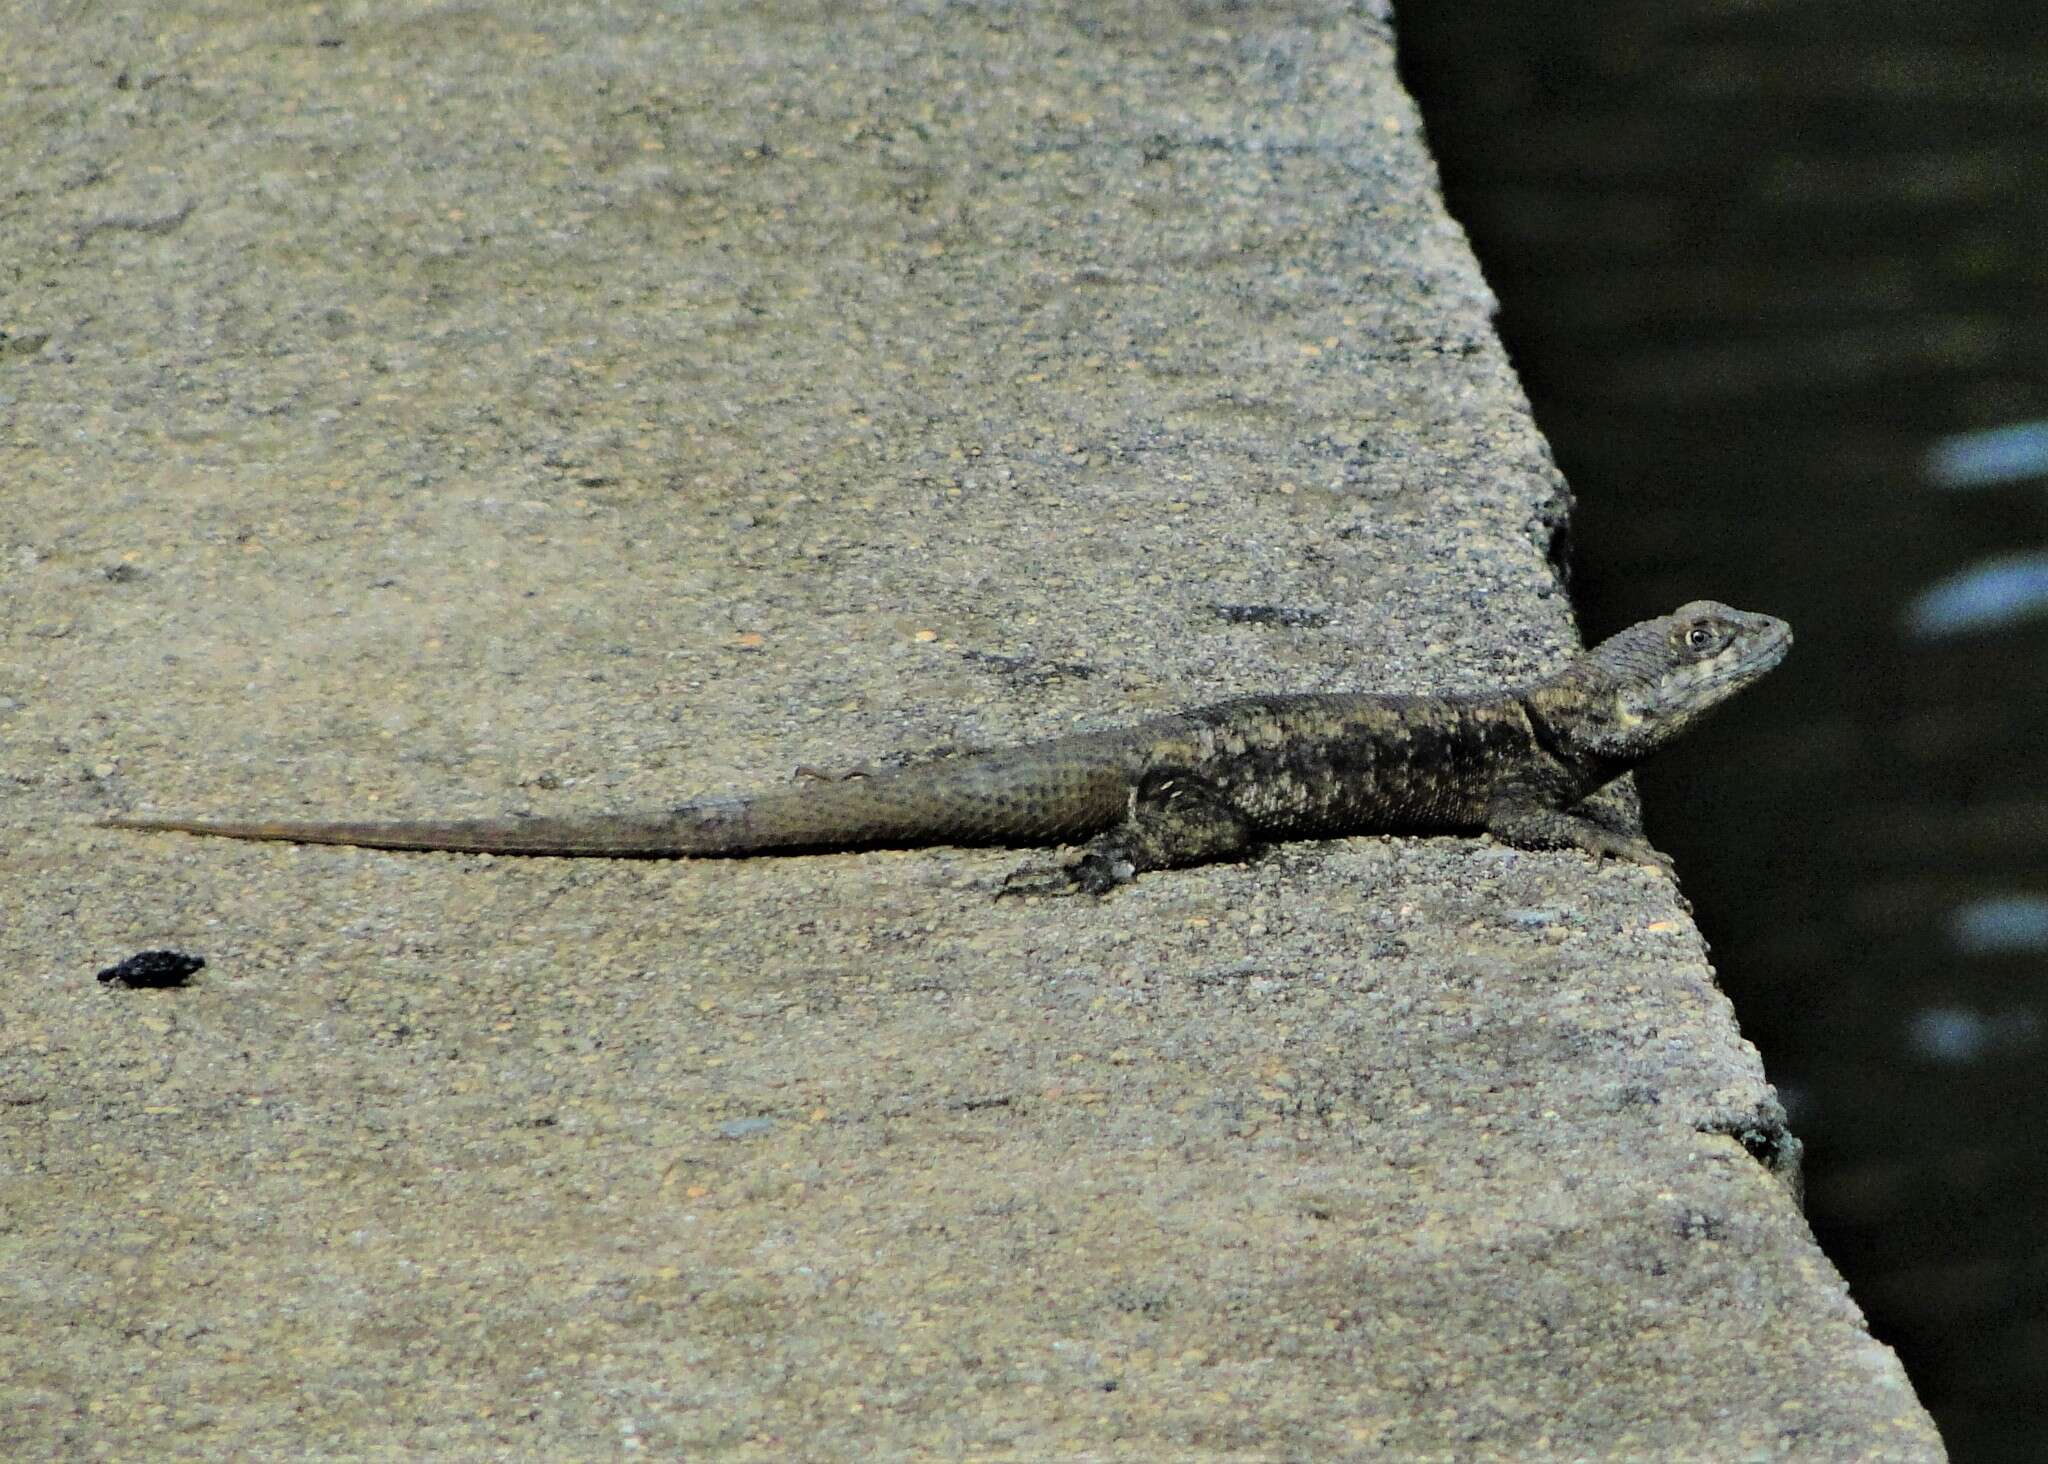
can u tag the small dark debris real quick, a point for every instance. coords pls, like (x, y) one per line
(158, 223)
(974, 1105)
(1231, 975)
(1143, 1303)
(154, 969)
(1289, 616)
(1028, 672)
(120, 574)
(1699, 1225)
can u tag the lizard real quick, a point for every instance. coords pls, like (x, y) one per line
(1204, 785)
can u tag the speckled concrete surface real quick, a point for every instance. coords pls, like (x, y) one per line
(459, 410)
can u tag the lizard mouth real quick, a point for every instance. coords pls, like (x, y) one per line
(1749, 659)
(1772, 648)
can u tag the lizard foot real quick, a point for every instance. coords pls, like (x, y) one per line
(1529, 826)
(1094, 873)
(1636, 851)
(1037, 879)
(1099, 871)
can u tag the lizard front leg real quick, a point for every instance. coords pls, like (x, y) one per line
(1528, 824)
(1177, 818)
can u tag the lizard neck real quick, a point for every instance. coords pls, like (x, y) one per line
(1574, 716)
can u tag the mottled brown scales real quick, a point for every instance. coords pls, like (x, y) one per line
(1206, 784)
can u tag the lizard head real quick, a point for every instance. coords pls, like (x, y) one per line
(1637, 690)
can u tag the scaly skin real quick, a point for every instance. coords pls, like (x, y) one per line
(1203, 785)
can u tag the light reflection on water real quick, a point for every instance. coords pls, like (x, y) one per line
(1956, 1036)
(2003, 590)
(1989, 458)
(2009, 925)
(1994, 593)
(1990, 595)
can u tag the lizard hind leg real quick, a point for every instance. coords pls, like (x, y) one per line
(1177, 818)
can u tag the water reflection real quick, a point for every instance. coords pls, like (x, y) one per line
(1986, 459)
(2009, 925)
(1990, 595)
(1955, 1036)
(2003, 590)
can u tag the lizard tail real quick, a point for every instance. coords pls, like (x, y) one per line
(997, 798)
(607, 837)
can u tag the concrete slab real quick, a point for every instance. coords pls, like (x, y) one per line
(452, 411)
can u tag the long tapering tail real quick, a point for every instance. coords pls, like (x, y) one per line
(611, 837)
(1011, 797)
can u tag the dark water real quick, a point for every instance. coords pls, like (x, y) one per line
(1777, 280)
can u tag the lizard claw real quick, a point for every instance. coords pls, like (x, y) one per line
(1098, 872)
(1094, 873)
(1536, 827)
(1038, 879)
(1638, 851)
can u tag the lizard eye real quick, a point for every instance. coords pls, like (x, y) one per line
(1702, 638)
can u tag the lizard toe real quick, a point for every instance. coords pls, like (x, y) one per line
(1639, 851)
(1098, 872)
(1037, 879)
